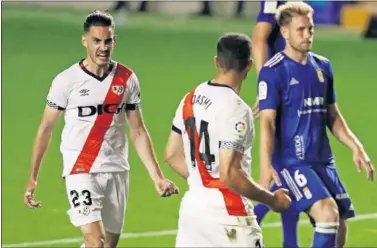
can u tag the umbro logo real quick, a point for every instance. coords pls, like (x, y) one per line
(293, 81)
(84, 92)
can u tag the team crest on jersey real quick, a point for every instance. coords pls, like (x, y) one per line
(118, 89)
(320, 76)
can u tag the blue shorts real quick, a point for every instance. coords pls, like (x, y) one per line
(309, 184)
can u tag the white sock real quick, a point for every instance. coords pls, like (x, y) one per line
(82, 246)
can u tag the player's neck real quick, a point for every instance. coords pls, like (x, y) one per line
(297, 56)
(230, 79)
(94, 68)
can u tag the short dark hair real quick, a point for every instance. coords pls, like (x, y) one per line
(234, 51)
(98, 18)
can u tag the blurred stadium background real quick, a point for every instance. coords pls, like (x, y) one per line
(171, 47)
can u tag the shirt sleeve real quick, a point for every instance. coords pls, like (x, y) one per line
(178, 125)
(267, 11)
(268, 89)
(134, 99)
(57, 97)
(331, 96)
(233, 127)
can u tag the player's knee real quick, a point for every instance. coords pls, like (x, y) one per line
(94, 240)
(94, 234)
(325, 211)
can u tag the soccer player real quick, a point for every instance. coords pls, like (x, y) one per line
(297, 102)
(266, 42)
(210, 146)
(96, 95)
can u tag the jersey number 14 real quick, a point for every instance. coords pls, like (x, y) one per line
(207, 157)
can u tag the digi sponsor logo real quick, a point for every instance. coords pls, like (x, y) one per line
(86, 111)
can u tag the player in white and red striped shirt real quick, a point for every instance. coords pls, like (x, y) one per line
(97, 96)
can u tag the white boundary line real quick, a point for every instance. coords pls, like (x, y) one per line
(161, 233)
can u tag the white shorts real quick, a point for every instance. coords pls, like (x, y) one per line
(201, 231)
(98, 197)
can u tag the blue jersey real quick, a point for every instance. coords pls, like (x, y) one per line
(300, 94)
(275, 41)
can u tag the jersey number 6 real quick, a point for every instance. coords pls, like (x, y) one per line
(207, 157)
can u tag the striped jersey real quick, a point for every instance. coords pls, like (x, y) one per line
(209, 118)
(93, 139)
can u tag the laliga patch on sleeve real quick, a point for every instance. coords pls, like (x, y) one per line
(240, 128)
(262, 89)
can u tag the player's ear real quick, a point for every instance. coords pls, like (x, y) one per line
(284, 32)
(217, 62)
(249, 65)
(84, 41)
(115, 39)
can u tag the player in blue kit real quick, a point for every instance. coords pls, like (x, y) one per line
(297, 103)
(266, 42)
(267, 39)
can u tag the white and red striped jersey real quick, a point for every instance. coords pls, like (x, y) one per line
(211, 117)
(93, 139)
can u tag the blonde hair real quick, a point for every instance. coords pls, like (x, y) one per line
(288, 10)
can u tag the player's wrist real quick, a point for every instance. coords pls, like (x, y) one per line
(269, 198)
(356, 147)
(157, 175)
(33, 179)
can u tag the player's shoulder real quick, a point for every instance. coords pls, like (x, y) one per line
(273, 66)
(275, 62)
(323, 62)
(232, 104)
(319, 58)
(124, 67)
(69, 75)
(128, 72)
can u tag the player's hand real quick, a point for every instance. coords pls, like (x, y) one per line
(361, 160)
(282, 201)
(29, 195)
(268, 176)
(255, 110)
(165, 187)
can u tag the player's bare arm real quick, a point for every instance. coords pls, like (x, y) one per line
(343, 133)
(259, 44)
(174, 155)
(267, 133)
(232, 174)
(49, 119)
(143, 146)
(260, 52)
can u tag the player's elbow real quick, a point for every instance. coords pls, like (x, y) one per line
(169, 155)
(226, 175)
